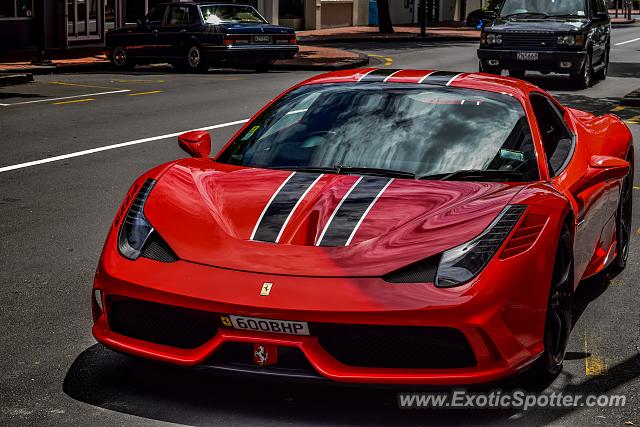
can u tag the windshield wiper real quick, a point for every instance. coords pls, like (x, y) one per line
(341, 170)
(477, 175)
(544, 15)
(566, 15)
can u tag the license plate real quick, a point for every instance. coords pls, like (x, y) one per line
(262, 39)
(266, 325)
(527, 56)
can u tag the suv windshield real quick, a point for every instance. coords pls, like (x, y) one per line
(544, 7)
(411, 130)
(230, 14)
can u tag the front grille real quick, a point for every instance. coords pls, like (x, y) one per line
(381, 346)
(161, 324)
(529, 41)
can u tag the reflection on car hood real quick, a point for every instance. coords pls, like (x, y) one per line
(207, 212)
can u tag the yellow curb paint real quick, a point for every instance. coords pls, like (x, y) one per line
(145, 93)
(635, 187)
(635, 120)
(75, 101)
(619, 108)
(593, 365)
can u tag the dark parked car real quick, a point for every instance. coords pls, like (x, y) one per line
(193, 37)
(569, 37)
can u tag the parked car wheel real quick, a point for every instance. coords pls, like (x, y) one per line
(120, 59)
(518, 74)
(194, 61)
(601, 74)
(584, 79)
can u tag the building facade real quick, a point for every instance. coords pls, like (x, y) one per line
(83, 23)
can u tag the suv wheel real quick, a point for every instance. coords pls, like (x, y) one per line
(584, 79)
(518, 74)
(601, 74)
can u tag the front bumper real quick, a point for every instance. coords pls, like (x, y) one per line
(548, 61)
(502, 319)
(249, 52)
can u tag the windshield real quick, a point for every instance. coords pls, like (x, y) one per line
(421, 131)
(544, 7)
(230, 14)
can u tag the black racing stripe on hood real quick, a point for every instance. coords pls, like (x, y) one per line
(439, 78)
(343, 224)
(378, 76)
(278, 210)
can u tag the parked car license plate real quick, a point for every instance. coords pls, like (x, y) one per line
(262, 39)
(266, 325)
(527, 56)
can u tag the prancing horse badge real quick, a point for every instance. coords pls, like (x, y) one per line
(266, 289)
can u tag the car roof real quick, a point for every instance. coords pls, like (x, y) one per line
(481, 81)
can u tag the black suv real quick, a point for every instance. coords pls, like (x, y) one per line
(561, 36)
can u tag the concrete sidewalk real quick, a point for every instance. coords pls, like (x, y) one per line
(309, 58)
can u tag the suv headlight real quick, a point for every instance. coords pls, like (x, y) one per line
(494, 38)
(571, 40)
(462, 263)
(135, 229)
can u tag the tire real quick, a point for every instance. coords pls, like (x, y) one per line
(194, 60)
(120, 59)
(263, 66)
(602, 73)
(518, 74)
(584, 79)
(623, 225)
(489, 70)
(559, 316)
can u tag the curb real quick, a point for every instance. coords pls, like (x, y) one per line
(345, 64)
(631, 99)
(624, 23)
(15, 79)
(402, 39)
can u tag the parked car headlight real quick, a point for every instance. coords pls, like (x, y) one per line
(462, 263)
(570, 40)
(494, 38)
(135, 229)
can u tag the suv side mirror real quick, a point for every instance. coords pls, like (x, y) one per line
(601, 169)
(196, 143)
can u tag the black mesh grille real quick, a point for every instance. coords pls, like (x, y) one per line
(156, 248)
(160, 323)
(420, 272)
(529, 41)
(411, 347)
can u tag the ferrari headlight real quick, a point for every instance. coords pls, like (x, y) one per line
(464, 262)
(135, 229)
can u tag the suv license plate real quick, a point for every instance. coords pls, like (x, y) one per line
(262, 39)
(266, 325)
(527, 56)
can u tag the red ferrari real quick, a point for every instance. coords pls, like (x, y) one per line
(373, 226)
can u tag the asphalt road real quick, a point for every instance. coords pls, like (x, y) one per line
(55, 215)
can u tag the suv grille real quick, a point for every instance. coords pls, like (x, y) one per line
(381, 346)
(161, 324)
(529, 41)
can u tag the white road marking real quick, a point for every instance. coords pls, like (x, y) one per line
(627, 42)
(66, 97)
(113, 147)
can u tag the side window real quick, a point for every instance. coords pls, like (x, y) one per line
(556, 137)
(156, 15)
(178, 15)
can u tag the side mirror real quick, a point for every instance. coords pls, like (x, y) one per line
(196, 143)
(601, 169)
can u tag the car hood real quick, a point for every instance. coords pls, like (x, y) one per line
(537, 25)
(207, 212)
(254, 29)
